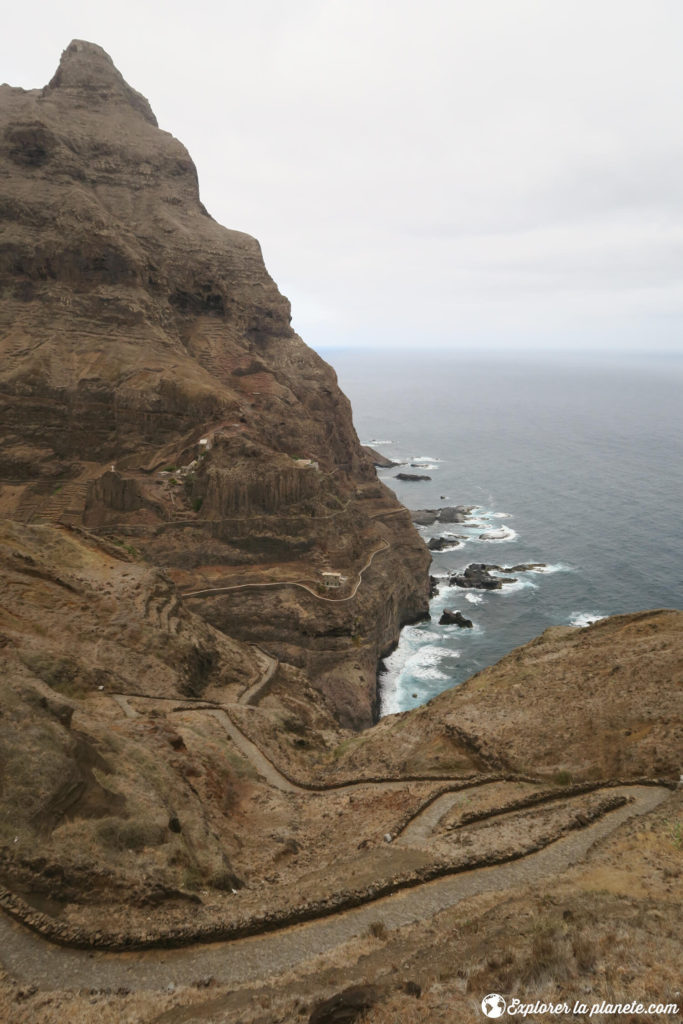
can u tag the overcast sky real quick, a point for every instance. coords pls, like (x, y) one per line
(465, 173)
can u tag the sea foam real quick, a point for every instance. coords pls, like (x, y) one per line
(583, 619)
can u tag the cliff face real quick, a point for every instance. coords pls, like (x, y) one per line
(130, 317)
(132, 326)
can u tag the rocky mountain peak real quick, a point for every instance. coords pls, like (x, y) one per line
(89, 74)
(132, 328)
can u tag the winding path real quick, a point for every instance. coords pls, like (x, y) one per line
(269, 771)
(213, 591)
(34, 961)
(252, 694)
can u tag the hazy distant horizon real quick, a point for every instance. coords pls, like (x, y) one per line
(610, 354)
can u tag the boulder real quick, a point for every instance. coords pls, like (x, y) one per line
(449, 618)
(477, 576)
(454, 514)
(411, 476)
(424, 516)
(443, 543)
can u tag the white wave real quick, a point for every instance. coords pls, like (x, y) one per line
(412, 636)
(423, 465)
(451, 629)
(375, 441)
(500, 515)
(514, 588)
(449, 592)
(390, 698)
(583, 619)
(424, 663)
(550, 569)
(474, 598)
(424, 458)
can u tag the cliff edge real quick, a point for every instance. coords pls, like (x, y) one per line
(152, 389)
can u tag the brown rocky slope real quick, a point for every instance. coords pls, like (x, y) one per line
(176, 762)
(574, 705)
(132, 326)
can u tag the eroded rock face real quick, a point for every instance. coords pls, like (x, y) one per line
(130, 316)
(132, 327)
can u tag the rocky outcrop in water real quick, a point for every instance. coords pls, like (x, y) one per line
(477, 576)
(443, 543)
(448, 514)
(451, 618)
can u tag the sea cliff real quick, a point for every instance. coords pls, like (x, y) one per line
(133, 327)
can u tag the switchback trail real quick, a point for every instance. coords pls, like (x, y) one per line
(35, 961)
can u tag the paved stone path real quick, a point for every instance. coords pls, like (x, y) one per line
(418, 831)
(253, 694)
(35, 961)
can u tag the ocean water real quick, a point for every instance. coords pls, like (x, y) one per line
(572, 462)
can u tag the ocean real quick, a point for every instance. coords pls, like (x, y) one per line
(574, 462)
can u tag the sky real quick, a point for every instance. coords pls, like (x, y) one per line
(467, 174)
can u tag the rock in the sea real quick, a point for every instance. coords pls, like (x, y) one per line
(411, 476)
(477, 576)
(454, 514)
(449, 618)
(433, 587)
(443, 543)
(424, 516)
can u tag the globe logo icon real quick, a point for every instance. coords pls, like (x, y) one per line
(493, 1005)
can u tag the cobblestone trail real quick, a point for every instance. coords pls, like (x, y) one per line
(35, 961)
